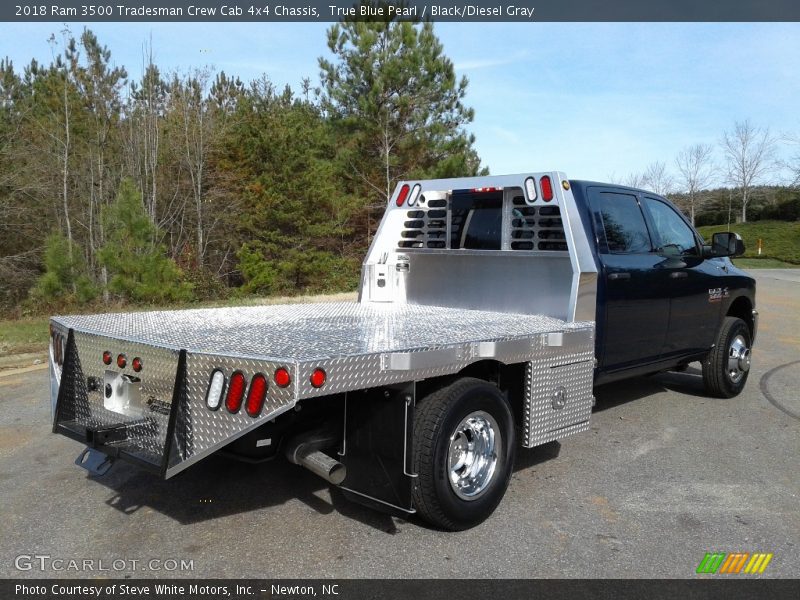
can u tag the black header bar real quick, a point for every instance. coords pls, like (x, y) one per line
(742, 588)
(434, 10)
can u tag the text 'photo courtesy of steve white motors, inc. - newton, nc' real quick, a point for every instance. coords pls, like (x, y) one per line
(173, 589)
(264, 10)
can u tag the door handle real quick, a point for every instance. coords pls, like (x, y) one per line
(678, 275)
(619, 276)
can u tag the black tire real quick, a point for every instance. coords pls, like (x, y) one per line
(717, 377)
(436, 419)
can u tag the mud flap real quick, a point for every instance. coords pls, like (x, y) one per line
(379, 424)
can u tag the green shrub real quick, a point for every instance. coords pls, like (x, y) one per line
(139, 269)
(65, 279)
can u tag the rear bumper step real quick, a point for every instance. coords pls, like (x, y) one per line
(108, 442)
(95, 462)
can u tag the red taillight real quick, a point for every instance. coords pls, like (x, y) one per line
(233, 400)
(137, 364)
(256, 395)
(547, 188)
(318, 378)
(401, 197)
(107, 357)
(486, 190)
(282, 377)
(122, 361)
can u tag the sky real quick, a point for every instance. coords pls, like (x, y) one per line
(595, 100)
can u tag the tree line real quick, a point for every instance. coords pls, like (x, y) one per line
(712, 183)
(194, 184)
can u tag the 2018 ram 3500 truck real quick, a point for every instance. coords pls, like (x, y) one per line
(488, 309)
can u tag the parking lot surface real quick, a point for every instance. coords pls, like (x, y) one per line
(663, 476)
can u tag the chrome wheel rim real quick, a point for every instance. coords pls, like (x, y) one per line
(472, 455)
(738, 359)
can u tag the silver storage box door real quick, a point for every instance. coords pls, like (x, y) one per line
(559, 401)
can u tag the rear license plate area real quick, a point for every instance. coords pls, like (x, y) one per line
(122, 394)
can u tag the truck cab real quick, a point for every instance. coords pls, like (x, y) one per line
(663, 295)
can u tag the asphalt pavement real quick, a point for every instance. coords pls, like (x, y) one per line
(663, 476)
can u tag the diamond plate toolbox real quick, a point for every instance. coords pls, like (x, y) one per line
(558, 390)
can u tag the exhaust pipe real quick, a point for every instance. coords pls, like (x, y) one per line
(323, 465)
(303, 451)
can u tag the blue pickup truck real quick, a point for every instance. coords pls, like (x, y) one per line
(488, 309)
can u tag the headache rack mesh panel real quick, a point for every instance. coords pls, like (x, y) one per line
(531, 227)
(536, 227)
(425, 227)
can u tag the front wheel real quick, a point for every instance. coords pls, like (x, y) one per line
(463, 453)
(727, 365)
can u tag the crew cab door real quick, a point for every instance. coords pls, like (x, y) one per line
(633, 307)
(694, 311)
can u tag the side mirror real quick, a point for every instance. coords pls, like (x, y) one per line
(725, 243)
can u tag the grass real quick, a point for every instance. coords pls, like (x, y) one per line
(763, 263)
(30, 334)
(24, 335)
(780, 239)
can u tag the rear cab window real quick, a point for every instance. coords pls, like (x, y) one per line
(476, 221)
(620, 223)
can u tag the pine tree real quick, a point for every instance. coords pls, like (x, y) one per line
(397, 103)
(139, 268)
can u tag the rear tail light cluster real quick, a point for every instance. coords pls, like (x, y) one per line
(545, 185)
(235, 391)
(122, 361)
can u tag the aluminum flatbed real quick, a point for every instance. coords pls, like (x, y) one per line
(486, 284)
(357, 345)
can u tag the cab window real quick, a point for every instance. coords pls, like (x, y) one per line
(675, 236)
(476, 221)
(623, 223)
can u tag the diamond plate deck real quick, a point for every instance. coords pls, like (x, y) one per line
(313, 332)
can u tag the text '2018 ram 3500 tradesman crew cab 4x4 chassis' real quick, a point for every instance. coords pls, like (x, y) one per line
(488, 309)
